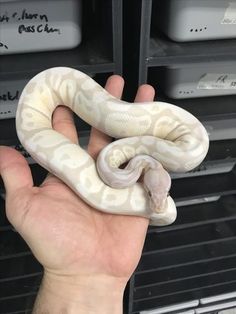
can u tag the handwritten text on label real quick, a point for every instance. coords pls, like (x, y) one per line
(37, 29)
(23, 15)
(8, 96)
(2, 45)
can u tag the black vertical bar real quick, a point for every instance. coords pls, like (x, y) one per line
(131, 294)
(117, 32)
(146, 12)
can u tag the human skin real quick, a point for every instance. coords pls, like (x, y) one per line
(88, 256)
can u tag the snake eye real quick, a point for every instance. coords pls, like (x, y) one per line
(149, 193)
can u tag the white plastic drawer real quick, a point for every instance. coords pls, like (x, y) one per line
(174, 308)
(192, 20)
(200, 80)
(229, 311)
(30, 26)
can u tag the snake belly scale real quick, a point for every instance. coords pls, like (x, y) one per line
(171, 137)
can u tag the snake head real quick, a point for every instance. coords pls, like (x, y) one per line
(157, 183)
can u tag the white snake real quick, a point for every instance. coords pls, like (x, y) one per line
(159, 135)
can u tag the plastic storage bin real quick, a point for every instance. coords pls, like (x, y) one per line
(200, 80)
(28, 25)
(190, 20)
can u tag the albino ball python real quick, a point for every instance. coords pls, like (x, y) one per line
(159, 136)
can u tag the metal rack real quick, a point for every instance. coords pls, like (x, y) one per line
(195, 257)
(100, 53)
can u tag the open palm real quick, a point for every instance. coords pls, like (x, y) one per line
(66, 235)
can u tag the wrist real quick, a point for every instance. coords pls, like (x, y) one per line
(93, 294)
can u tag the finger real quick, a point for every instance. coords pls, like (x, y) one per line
(14, 170)
(63, 122)
(145, 93)
(98, 140)
(115, 85)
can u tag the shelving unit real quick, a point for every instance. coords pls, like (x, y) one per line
(100, 54)
(184, 264)
(100, 50)
(194, 258)
(157, 50)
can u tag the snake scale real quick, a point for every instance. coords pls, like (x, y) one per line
(152, 138)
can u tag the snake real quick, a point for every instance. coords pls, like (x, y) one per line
(132, 174)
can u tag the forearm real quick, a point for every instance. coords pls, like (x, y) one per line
(90, 295)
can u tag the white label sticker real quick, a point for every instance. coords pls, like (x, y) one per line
(230, 14)
(217, 81)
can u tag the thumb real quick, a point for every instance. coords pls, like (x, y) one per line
(14, 170)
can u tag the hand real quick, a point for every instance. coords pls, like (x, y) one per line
(86, 254)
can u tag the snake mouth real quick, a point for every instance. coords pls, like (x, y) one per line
(157, 204)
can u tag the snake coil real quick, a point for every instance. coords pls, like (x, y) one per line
(156, 136)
